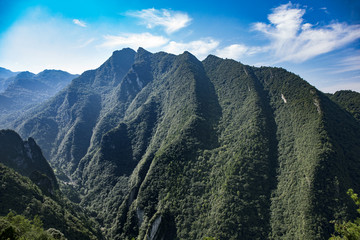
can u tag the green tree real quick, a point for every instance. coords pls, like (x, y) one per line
(348, 230)
(15, 226)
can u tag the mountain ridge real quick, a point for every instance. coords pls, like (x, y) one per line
(26, 90)
(167, 146)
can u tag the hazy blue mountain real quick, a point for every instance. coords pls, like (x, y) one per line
(161, 146)
(5, 73)
(26, 90)
(5, 78)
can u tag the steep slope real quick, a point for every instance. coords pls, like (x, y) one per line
(190, 187)
(33, 189)
(26, 158)
(150, 121)
(168, 147)
(273, 152)
(316, 161)
(269, 162)
(63, 127)
(349, 100)
(21, 195)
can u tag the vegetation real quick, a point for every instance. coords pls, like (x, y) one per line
(349, 230)
(349, 100)
(20, 194)
(17, 227)
(160, 146)
(26, 158)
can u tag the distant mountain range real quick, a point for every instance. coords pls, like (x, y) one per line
(5, 76)
(162, 146)
(23, 90)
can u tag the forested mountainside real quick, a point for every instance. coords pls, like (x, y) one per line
(28, 187)
(349, 100)
(25, 90)
(26, 158)
(169, 147)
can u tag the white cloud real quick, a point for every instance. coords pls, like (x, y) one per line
(79, 22)
(41, 41)
(200, 48)
(237, 51)
(293, 40)
(134, 40)
(172, 21)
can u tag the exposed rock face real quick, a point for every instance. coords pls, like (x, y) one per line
(26, 158)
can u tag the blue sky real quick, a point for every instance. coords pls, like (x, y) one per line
(318, 40)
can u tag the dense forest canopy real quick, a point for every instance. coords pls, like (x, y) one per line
(162, 146)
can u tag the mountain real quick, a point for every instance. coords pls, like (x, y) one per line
(28, 186)
(5, 75)
(161, 146)
(349, 100)
(26, 158)
(26, 90)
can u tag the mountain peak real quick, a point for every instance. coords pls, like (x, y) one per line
(123, 51)
(142, 50)
(188, 54)
(25, 74)
(211, 57)
(142, 54)
(120, 59)
(188, 57)
(6, 73)
(4, 70)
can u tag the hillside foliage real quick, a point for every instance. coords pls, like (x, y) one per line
(17, 227)
(349, 230)
(158, 146)
(21, 195)
(349, 100)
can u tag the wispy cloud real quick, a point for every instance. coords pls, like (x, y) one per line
(79, 23)
(325, 10)
(200, 48)
(293, 40)
(172, 21)
(32, 42)
(349, 64)
(237, 51)
(86, 43)
(134, 40)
